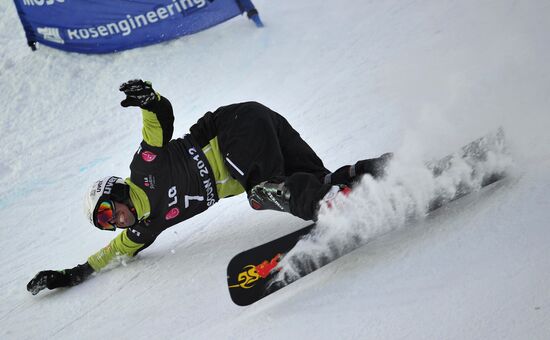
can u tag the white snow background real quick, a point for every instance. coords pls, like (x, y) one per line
(356, 78)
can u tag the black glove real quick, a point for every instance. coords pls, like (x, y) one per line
(138, 93)
(52, 279)
(349, 175)
(376, 167)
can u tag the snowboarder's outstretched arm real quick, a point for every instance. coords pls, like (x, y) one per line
(158, 115)
(52, 279)
(121, 245)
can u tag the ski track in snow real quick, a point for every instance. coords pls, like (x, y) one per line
(356, 79)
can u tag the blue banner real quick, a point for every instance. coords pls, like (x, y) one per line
(103, 26)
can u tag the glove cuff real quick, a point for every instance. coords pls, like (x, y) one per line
(78, 274)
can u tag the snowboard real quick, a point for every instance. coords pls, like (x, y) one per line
(250, 273)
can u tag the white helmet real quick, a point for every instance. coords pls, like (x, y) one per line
(110, 188)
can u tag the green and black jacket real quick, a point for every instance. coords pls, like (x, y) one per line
(171, 180)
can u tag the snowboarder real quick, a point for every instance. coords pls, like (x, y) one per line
(244, 147)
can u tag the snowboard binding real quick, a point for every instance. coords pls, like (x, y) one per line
(269, 195)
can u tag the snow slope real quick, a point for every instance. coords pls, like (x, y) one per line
(356, 78)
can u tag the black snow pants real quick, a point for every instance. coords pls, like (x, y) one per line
(259, 145)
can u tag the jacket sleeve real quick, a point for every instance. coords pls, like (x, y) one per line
(158, 122)
(119, 246)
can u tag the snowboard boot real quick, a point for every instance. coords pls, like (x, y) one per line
(350, 174)
(269, 195)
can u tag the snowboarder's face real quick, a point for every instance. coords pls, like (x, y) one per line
(123, 216)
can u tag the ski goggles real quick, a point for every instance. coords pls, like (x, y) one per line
(105, 215)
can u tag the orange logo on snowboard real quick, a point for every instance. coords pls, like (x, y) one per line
(251, 273)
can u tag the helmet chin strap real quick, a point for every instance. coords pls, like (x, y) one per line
(133, 210)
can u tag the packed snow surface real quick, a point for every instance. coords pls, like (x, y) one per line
(357, 78)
